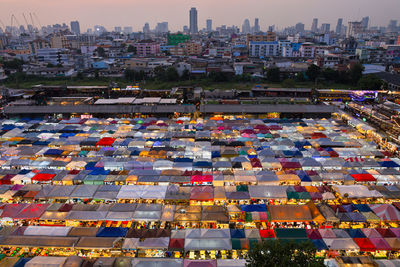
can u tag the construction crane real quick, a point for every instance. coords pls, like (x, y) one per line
(37, 19)
(27, 24)
(3, 26)
(14, 18)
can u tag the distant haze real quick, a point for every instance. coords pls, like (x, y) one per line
(135, 13)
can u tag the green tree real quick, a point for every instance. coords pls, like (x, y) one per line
(288, 83)
(132, 49)
(274, 75)
(300, 77)
(171, 75)
(277, 253)
(101, 52)
(369, 82)
(355, 73)
(313, 72)
(159, 73)
(15, 64)
(217, 76)
(330, 74)
(49, 65)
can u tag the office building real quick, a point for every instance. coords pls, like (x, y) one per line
(264, 49)
(193, 21)
(314, 26)
(365, 22)
(325, 28)
(118, 29)
(354, 28)
(128, 30)
(246, 26)
(339, 26)
(256, 27)
(299, 27)
(178, 38)
(162, 27)
(269, 37)
(392, 27)
(146, 28)
(209, 25)
(75, 28)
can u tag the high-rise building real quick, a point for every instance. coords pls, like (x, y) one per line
(246, 26)
(75, 28)
(256, 27)
(118, 29)
(325, 27)
(354, 28)
(365, 22)
(314, 26)
(339, 26)
(162, 27)
(146, 28)
(193, 21)
(299, 27)
(128, 30)
(392, 25)
(209, 25)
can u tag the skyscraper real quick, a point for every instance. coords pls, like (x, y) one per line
(193, 20)
(162, 27)
(256, 25)
(314, 26)
(392, 25)
(246, 26)
(365, 22)
(339, 26)
(209, 25)
(146, 28)
(75, 28)
(299, 27)
(325, 27)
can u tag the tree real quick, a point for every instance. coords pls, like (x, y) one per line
(171, 75)
(218, 76)
(300, 77)
(274, 75)
(288, 83)
(132, 49)
(49, 65)
(313, 72)
(369, 82)
(159, 73)
(330, 74)
(101, 52)
(280, 253)
(356, 73)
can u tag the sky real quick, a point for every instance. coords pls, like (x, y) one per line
(135, 13)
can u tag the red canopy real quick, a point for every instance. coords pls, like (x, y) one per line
(267, 233)
(363, 177)
(105, 141)
(201, 179)
(380, 244)
(176, 243)
(33, 211)
(43, 177)
(365, 244)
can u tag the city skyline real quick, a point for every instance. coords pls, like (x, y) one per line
(136, 14)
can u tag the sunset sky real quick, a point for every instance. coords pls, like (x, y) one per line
(136, 12)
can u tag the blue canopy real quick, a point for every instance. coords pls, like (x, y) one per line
(237, 233)
(355, 233)
(319, 244)
(112, 232)
(255, 207)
